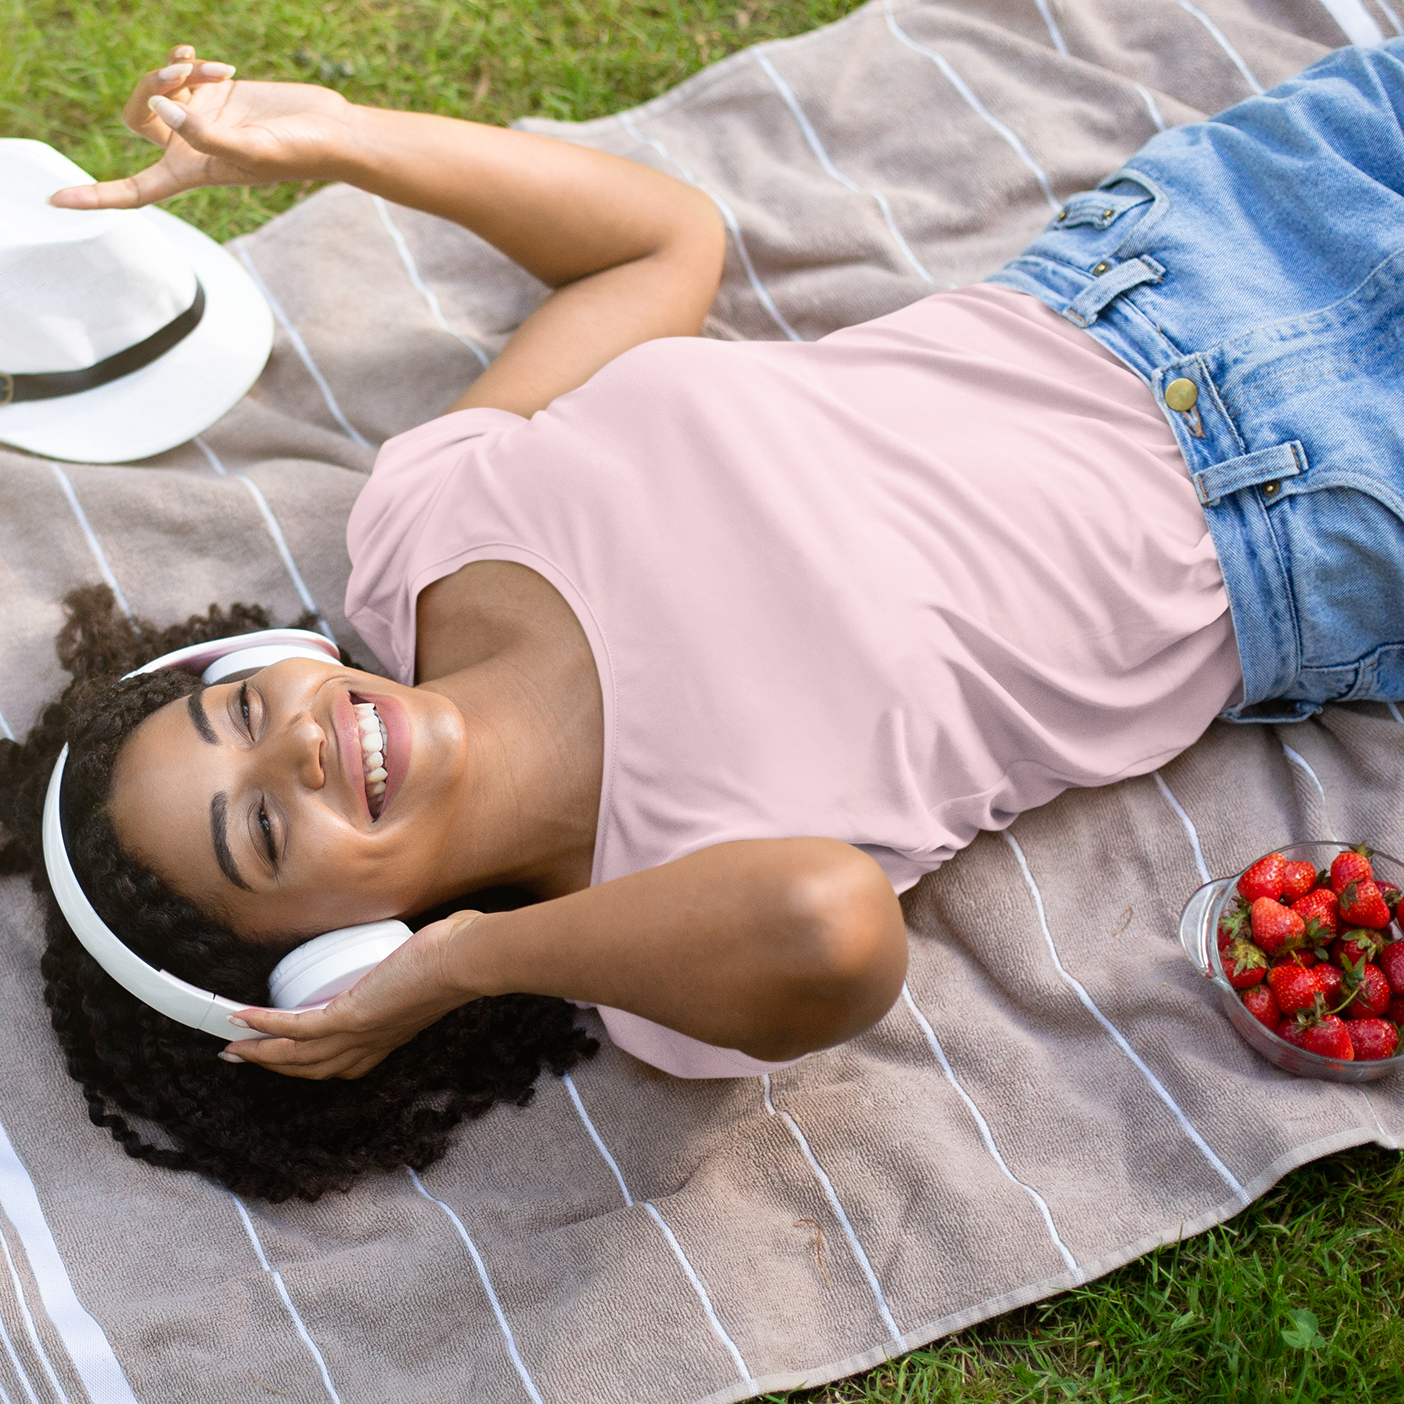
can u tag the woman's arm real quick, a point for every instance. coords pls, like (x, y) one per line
(776, 947)
(631, 254)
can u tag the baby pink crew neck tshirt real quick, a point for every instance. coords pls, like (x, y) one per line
(892, 587)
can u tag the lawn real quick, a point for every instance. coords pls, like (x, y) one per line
(66, 68)
(1296, 1299)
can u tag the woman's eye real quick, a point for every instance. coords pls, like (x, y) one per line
(244, 708)
(267, 828)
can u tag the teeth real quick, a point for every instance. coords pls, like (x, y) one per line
(373, 745)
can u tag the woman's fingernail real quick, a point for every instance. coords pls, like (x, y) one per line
(237, 1022)
(174, 71)
(230, 1057)
(217, 70)
(171, 113)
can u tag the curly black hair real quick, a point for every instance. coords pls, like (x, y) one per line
(256, 1132)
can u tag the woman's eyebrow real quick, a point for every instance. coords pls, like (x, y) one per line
(219, 831)
(200, 717)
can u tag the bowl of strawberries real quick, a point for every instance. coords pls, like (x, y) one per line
(1306, 948)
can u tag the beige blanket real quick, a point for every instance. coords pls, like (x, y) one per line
(1044, 1103)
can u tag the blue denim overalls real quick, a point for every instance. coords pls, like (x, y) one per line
(1251, 270)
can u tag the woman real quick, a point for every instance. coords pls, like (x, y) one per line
(713, 648)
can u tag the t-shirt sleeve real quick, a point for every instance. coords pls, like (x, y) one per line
(387, 525)
(678, 1054)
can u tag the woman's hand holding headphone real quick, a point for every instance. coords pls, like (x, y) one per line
(405, 993)
(218, 132)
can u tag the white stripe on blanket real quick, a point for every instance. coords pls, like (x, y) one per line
(84, 1340)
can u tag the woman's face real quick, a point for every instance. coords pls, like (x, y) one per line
(251, 798)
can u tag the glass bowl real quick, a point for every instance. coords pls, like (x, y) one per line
(1199, 924)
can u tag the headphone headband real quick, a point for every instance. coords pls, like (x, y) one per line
(167, 993)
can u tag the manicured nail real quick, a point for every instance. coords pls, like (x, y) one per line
(237, 1022)
(175, 71)
(171, 113)
(184, 51)
(230, 1057)
(217, 70)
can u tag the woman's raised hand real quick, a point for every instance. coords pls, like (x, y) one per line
(405, 993)
(218, 132)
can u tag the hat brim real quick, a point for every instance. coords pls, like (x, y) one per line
(179, 394)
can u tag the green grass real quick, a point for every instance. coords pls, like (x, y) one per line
(1211, 1319)
(1199, 1322)
(66, 68)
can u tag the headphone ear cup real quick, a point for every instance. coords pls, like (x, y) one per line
(322, 968)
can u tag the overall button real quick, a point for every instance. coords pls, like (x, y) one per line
(1099, 268)
(1181, 395)
(1270, 489)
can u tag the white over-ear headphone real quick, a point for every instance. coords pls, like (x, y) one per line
(311, 974)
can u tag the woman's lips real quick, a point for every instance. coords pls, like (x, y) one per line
(397, 744)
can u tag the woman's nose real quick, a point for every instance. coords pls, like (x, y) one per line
(300, 748)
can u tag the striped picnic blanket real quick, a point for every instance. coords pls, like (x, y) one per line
(1047, 1100)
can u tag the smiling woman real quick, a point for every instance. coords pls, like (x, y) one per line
(259, 1134)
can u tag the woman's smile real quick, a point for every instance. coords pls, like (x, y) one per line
(372, 733)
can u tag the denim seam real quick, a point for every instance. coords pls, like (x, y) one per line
(1308, 325)
(1324, 479)
(1127, 304)
(1270, 385)
(1284, 575)
(1223, 407)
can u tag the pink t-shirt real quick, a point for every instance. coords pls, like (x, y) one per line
(891, 587)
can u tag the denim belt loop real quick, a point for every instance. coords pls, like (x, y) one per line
(1265, 468)
(1087, 306)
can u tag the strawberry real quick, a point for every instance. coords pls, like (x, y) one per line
(1244, 964)
(1331, 981)
(1233, 924)
(1373, 1039)
(1351, 866)
(1330, 1038)
(1318, 906)
(1372, 993)
(1391, 895)
(1294, 988)
(1264, 878)
(1275, 928)
(1260, 1003)
(1293, 1032)
(1395, 1012)
(1362, 905)
(1304, 957)
(1355, 947)
(1391, 961)
(1297, 880)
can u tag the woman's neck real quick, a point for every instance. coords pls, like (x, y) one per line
(500, 642)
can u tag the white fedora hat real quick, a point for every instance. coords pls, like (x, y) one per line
(122, 332)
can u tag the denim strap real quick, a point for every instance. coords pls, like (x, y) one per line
(1084, 309)
(1266, 466)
